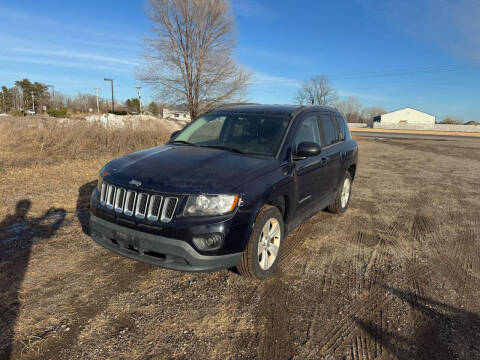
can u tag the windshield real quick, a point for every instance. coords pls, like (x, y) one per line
(250, 134)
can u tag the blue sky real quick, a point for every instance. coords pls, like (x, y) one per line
(423, 54)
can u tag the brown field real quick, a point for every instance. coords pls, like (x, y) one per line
(396, 277)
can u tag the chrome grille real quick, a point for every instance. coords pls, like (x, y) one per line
(130, 203)
(110, 196)
(140, 205)
(154, 208)
(168, 210)
(120, 200)
(103, 193)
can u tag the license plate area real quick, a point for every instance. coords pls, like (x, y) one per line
(127, 241)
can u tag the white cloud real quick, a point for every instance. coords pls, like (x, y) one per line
(260, 78)
(68, 64)
(252, 8)
(41, 21)
(76, 55)
(273, 55)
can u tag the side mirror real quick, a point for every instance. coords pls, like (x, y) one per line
(306, 149)
(173, 134)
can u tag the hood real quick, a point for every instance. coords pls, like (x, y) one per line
(184, 169)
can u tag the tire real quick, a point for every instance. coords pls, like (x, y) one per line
(339, 206)
(254, 263)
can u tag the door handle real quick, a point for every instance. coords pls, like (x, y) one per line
(324, 161)
(343, 154)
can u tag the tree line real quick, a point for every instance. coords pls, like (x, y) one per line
(25, 95)
(318, 90)
(37, 97)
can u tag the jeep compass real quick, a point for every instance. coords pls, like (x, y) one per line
(226, 190)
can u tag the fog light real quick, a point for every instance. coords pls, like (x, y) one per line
(208, 241)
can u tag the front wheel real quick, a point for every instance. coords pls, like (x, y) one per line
(264, 246)
(342, 198)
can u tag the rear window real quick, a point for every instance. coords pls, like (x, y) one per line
(344, 126)
(328, 129)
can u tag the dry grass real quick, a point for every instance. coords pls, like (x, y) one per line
(48, 140)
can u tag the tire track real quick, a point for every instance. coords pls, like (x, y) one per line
(452, 258)
(279, 298)
(290, 253)
(371, 275)
(273, 305)
(374, 301)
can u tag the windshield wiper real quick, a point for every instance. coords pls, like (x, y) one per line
(181, 142)
(221, 147)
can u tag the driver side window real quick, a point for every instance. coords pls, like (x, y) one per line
(308, 131)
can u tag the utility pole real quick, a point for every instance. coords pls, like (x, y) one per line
(139, 99)
(98, 107)
(113, 101)
(33, 99)
(53, 93)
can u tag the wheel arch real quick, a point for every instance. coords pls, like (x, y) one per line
(352, 169)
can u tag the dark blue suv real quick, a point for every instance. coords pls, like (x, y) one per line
(227, 189)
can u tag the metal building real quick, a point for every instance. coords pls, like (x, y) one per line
(406, 116)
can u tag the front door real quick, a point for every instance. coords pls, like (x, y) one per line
(311, 174)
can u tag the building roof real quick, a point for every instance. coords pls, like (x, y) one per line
(408, 107)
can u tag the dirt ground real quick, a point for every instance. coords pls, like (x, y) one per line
(396, 277)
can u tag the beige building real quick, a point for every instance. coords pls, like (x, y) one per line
(407, 116)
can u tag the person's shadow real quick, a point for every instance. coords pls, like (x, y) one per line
(443, 331)
(18, 233)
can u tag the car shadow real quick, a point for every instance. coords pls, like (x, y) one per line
(443, 331)
(18, 233)
(83, 205)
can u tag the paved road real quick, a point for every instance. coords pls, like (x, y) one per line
(411, 136)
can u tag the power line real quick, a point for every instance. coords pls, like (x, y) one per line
(396, 86)
(400, 72)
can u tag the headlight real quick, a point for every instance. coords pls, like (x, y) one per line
(202, 205)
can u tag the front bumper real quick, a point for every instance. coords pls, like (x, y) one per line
(155, 249)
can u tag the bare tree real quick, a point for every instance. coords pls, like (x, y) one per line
(367, 114)
(350, 108)
(451, 121)
(316, 91)
(191, 58)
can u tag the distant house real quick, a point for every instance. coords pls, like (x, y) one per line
(175, 114)
(405, 116)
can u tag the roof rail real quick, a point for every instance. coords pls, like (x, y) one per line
(234, 104)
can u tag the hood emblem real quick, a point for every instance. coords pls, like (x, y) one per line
(135, 182)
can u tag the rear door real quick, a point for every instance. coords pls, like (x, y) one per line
(330, 155)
